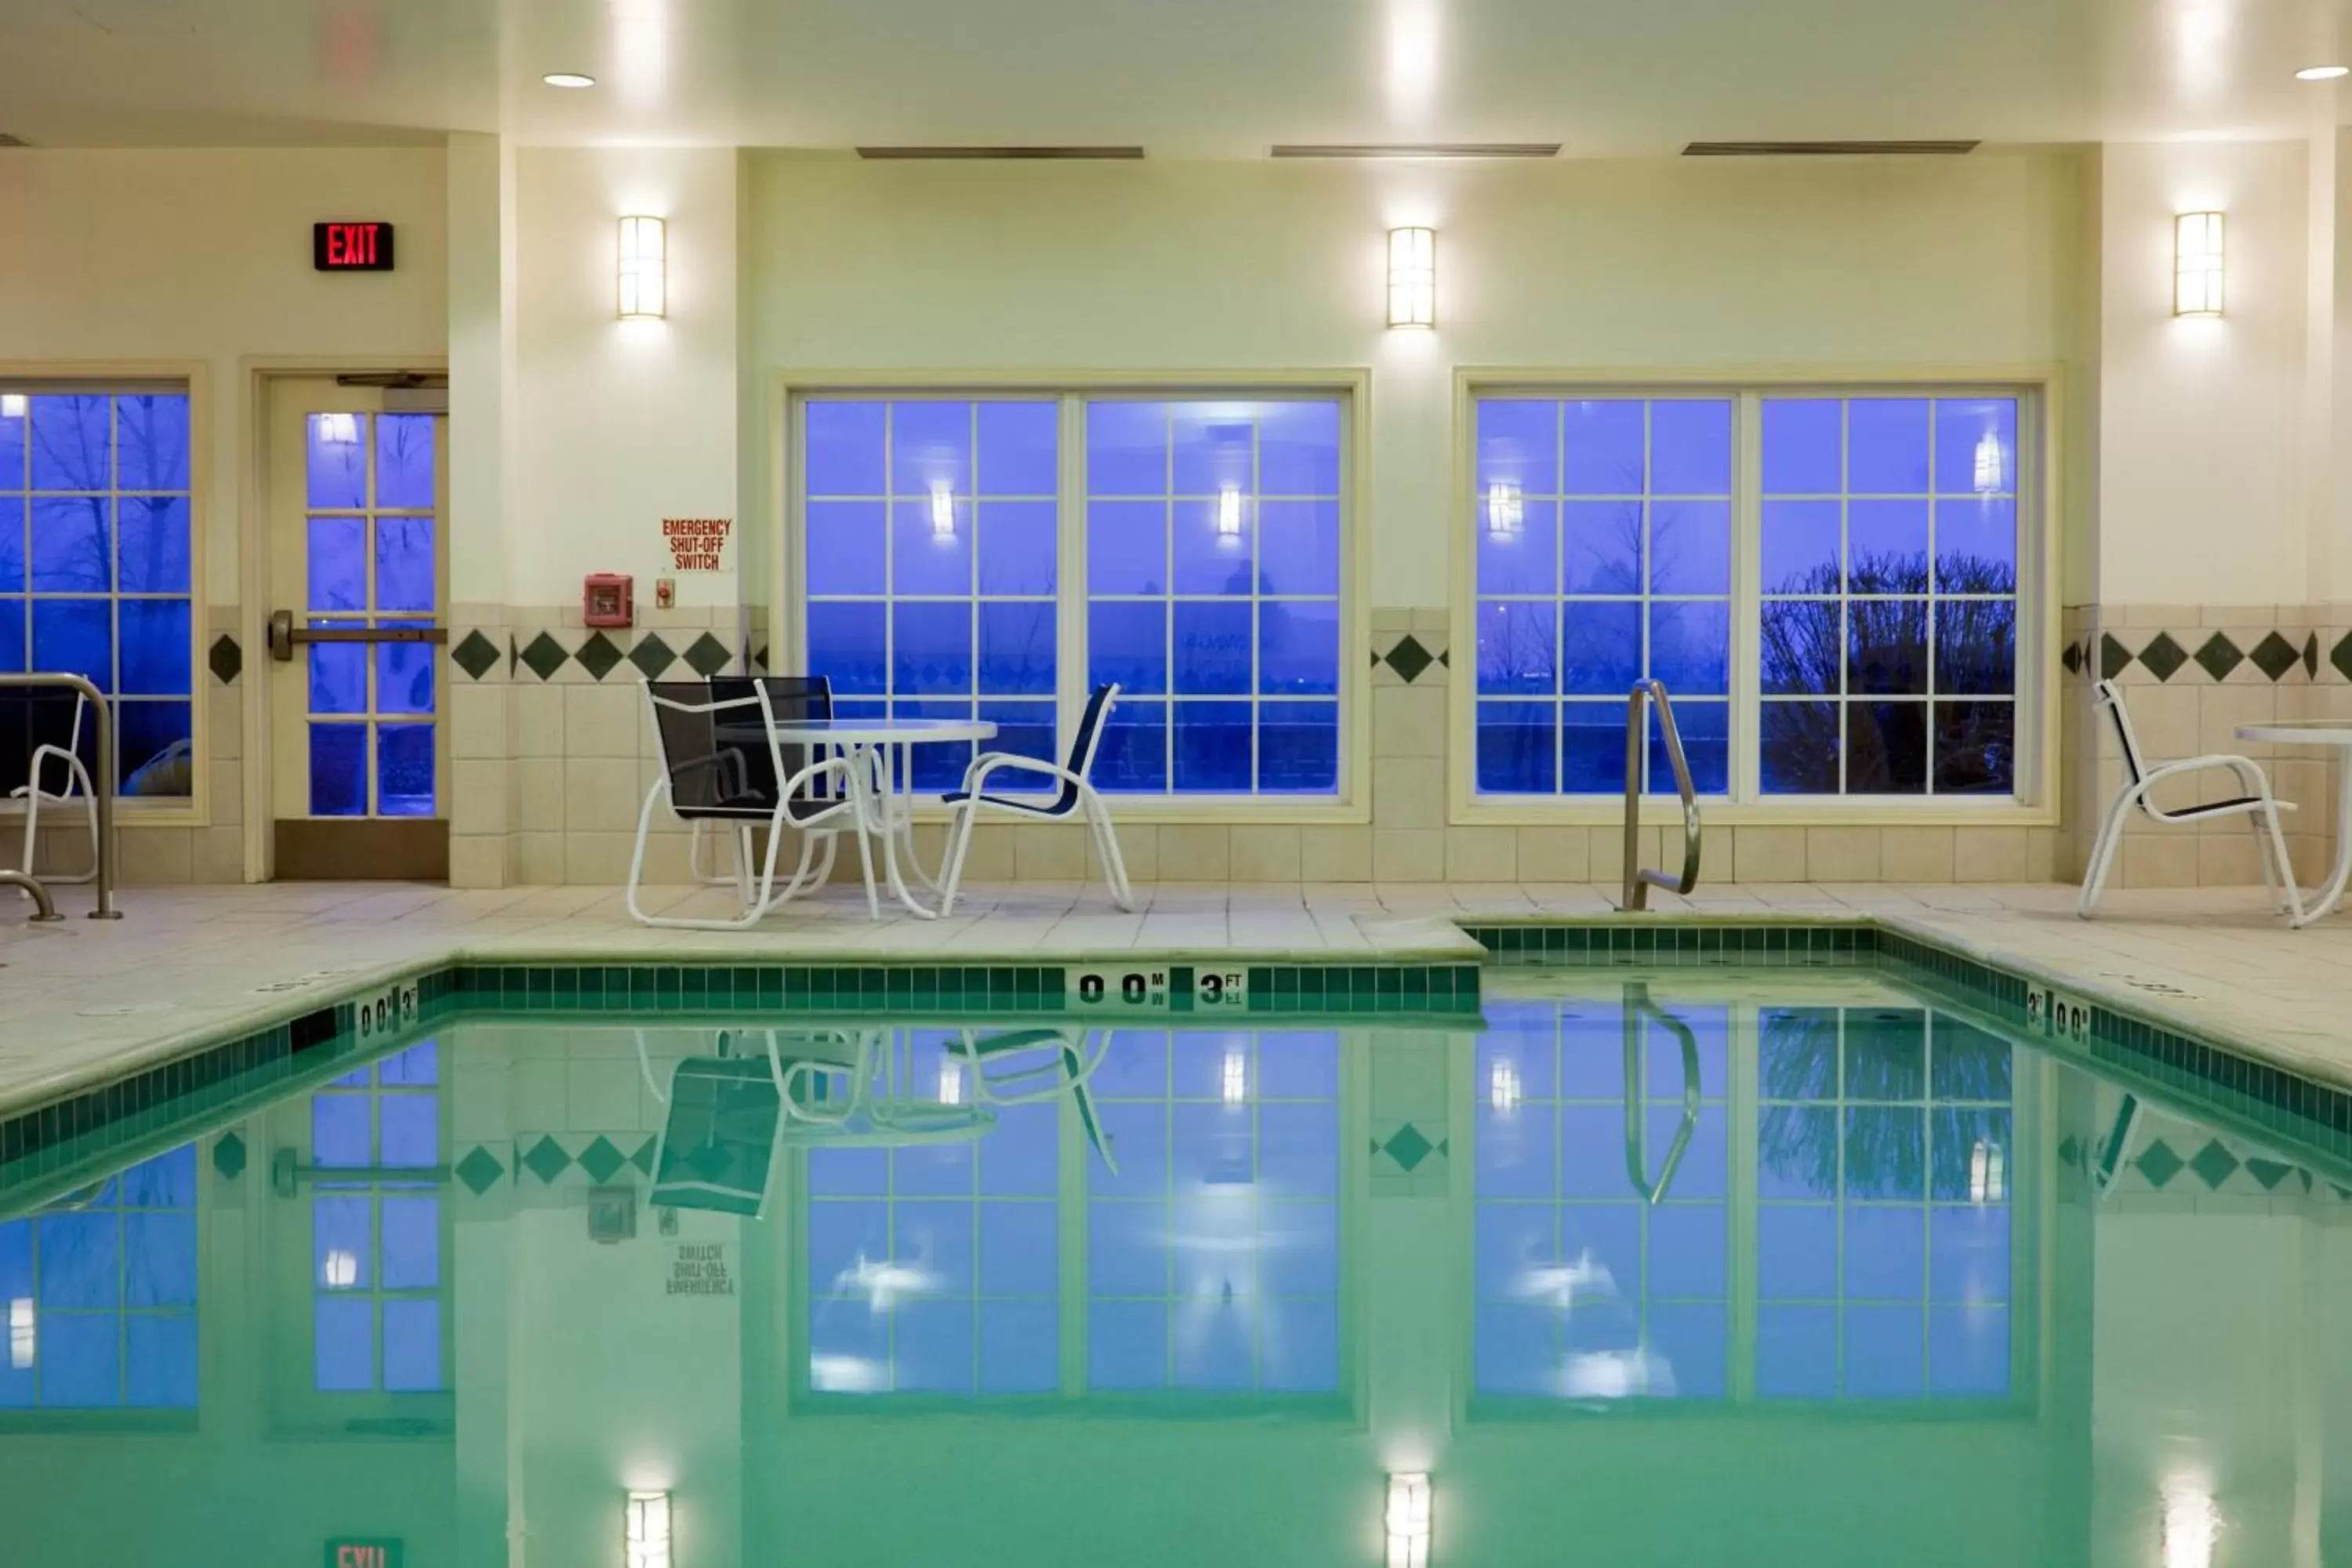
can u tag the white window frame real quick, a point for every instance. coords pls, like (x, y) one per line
(2039, 398)
(1351, 803)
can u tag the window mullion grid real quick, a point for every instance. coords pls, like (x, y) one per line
(1746, 715)
(1558, 600)
(1168, 542)
(971, 586)
(1254, 537)
(1927, 728)
(889, 559)
(1642, 566)
(1845, 713)
(1074, 674)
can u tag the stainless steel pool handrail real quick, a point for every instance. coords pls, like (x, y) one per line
(103, 780)
(44, 908)
(1638, 880)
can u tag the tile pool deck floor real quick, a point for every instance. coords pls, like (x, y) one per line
(82, 1001)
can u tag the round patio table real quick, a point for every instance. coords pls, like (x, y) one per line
(2335, 732)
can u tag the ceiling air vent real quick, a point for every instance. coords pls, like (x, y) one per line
(1416, 150)
(1829, 149)
(1013, 154)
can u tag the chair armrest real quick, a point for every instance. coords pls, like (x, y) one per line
(2250, 773)
(75, 773)
(976, 775)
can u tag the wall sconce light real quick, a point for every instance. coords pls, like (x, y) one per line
(1990, 466)
(644, 1529)
(1229, 516)
(1408, 1521)
(1236, 1079)
(951, 1083)
(2197, 264)
(1413, 278)
(1504, 509)
(12, 405)
(22, 1332)
(943, 512)
(644, 268)
(338, 429)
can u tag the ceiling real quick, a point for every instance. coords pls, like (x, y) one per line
(1184, 78)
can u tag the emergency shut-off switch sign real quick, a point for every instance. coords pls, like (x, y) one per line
(697, 543)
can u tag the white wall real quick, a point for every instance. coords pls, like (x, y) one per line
(1656, 265)
(2202, 441)
(206, 255)
(621, 423)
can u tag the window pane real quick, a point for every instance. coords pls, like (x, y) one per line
(1016, 547)
(1128, 643)
(1690, 647)
(12, 640)
(1212, 746)
(1016, 648)
(1804, 446)
(72, 545)
(1298, 449)
(1212, 649)
(1517, 648)
(1976, 547)
(404, 576)
(74, 636)
(1127, 547)
(1299, 747)
(1518, 743)
(1690, 447)
(1601, 542)
(403, 461)
(1600, 647)
(154, 748)
(930, 546)
(1886, 546)
(1801, 547)
(337, 460)
(1886, 647)
(933, 647)
(1705, 729)
(339, 769)
(411, 1243)
(1127, 449)
(846, 547)
(412, 1346)
(846, 449)
(156, 646)
(1591, 748)
(1298, 547)
(1517, 548)
(343, 1344)
(1214, 447)
(1976, 647)
(1690, 547)
(1134, 754)
(1298, 648)
(153, 532)
(847, 644)
(1886, 446)
(1800, 649)
(1801, 745)
(70, 442)
(1604, 443)
(13, 512)
(1518, 443)
(1887, 748)
(337, 563)
(339, 673)
(1976, 446)
(1020, 447)
(931, 448)
(406, 763)
(1975, 748)
(1214, 545)
(403, 677)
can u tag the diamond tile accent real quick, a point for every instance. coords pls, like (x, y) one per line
(759, 657)
(597, 655)
(1408, 1147)
(2340, 655)
(2114, 656)
(476, 655)
(545, 656)
(547, 1159)
(643, 1158)
(2218, 657)
(2159, 1163)
(2214, 1164)
(600, 1160)
(228, 1156)
(2311, 656)
(653, 656)
(480, 1171)
(707, 657)
(2268, 1174)
(226, 659)
(2070, 1152)
(2072, 658)
(2163, 656)
(2274, 656)
(1409, 659)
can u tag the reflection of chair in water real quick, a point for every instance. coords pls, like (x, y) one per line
(1022, 1066)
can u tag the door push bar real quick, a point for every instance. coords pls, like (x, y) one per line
(284, 634)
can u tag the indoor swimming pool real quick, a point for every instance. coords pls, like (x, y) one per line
(1655, 1263)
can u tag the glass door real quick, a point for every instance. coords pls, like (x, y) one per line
(359, 589)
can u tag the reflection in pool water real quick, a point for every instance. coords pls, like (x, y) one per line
(1913, 1291)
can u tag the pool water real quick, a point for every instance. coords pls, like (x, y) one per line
(1778, 1267)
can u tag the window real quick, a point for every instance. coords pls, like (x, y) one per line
(376, 1239)
(1875, 654)
(95, 576)
(100, 1297)
(1212, 1254)
(997, 557)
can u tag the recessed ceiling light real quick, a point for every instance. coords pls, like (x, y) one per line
(568, 78)
(2322, 73)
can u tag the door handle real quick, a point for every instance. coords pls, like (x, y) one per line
(284, 634)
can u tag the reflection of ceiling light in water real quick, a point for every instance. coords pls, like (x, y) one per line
(1616, 1375)
(882, 1282)
(951, 1083)
(1407, 1521)
(2190, 1523)
(1988, 464)
(20, 1332)
(1237, 1078)
(1229, 516)
(1504, 509)
(339, 1270)
(1503, 1086)
(12, 406)
(338, 429)
(1987, 1180)
(943, 512)
(846, 1375)
(1559, 1284)
(644, 1529)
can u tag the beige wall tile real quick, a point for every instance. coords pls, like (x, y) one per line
(1408, 855)
(2165, 860)
(600, 795)
(538, 719)
(477, 796)
(1409, 721)
(1408, 792)
(2165, 717)
(538, 858)
(599, 859)
(2230, 862)
(601, 720)
(1605, 849)
(1917, 854)
(538, 786)
(477, 722)
(1266, 852)
(1482, 855)
(1988, 855)
(1194, 852)
(2046, 853)
(478, 862)
(225, 713)
(2224, 707)
(1048, 852)
(226, 786)
(218, 856)
(1554, 855)
(1138, 847)
(1842, 853)
(1335, 854)
(988, 859)
(156, 857)
(1767, 854)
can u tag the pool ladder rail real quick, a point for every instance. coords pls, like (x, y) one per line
(1640, 879)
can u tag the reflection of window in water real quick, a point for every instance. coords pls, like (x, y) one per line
(1212, 1253)
(1585, 1289)
(376, 1308)
(1883, 1220)
(100, 1294)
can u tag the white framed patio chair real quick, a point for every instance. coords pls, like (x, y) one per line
(2253, 801)
(792, 697)
(1078, 796)
(61, 765)
(720, 761)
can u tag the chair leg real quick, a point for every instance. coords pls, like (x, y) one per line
(2289, 889)
(638, 857)
(865, 864)
(743, 863)
(798, 884)
(32, 817)
(951, 860)
(1114, 863)
(2102, 853)
(2254, 821)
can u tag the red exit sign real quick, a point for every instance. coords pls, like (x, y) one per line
(351, 246)
(352, 1553)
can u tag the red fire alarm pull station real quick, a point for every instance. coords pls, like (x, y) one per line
(608, 599)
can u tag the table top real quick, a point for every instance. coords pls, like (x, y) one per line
(2300, 732)
(870, 731)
